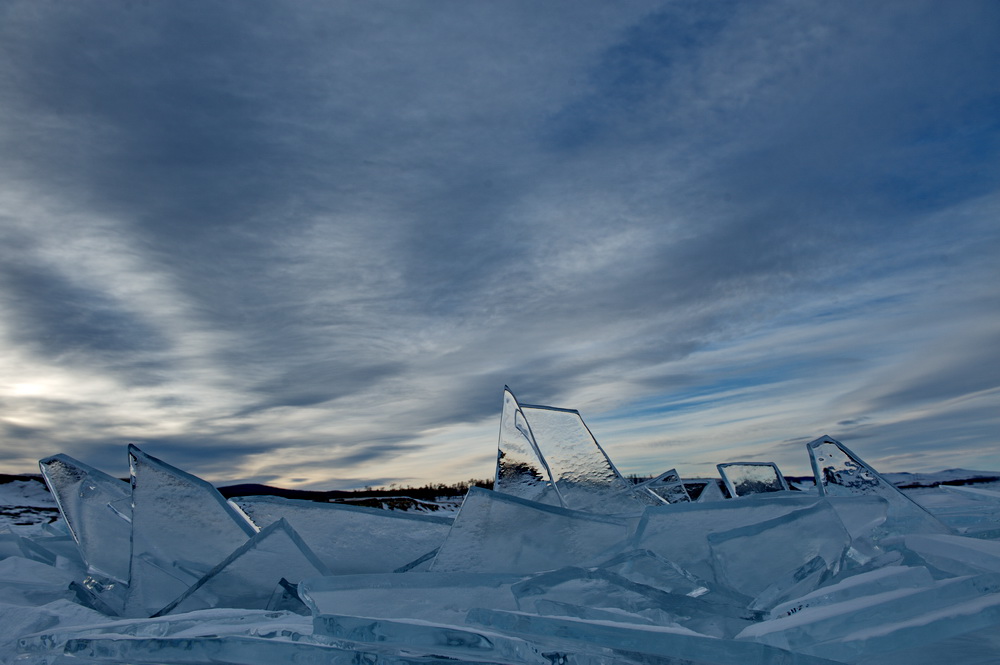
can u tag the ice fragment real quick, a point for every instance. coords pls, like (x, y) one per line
(181, 529)
(743, 478)
(352, 539)
(85, 496)
(504, 534)
(247, 577)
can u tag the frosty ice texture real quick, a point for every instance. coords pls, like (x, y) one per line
(743, 478)
(521, 468)
(501, 533)
(247, 577)
(352, 539)
(181, 528)
(85, 496)
(582, 473)
(549, 455)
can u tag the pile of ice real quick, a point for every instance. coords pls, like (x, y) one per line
(565, 561)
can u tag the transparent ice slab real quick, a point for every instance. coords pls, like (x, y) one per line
(245, 650)
(247, 577)
(601, 589)
(428, 638)
(85, 496)
(668, 487)
(440, 597)
(888, 578)
(840, 472)
(521, 467)
(504, 534)
(959, 555)
(679, 533)
(352, 539)
(651, 569)
(886, 621)
(28, 582)
(751, 558)
(711, 492)
(671, 643)
(582, 473)
(181, 529)
(969, 511)
(19, 620)
(743, 478)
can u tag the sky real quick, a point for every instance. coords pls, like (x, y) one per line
(309, 243)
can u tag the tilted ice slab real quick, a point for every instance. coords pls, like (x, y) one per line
(958, 555)
(577, 592)
(433, 639)
(582, 473)
(789, 554)
(743, 478)
(439, 597)
(521, 467)
(352, 539)
(181, 529)
(840, 472)
(667, 486)
(633, 641)
(549, 455)
(886, 621)
(881, 580)
(248, 576)
(97, 509)
(504, 534)
(680, 533)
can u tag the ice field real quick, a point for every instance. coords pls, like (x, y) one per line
(564, 561)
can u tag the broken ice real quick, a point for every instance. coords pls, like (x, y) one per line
(565, 561)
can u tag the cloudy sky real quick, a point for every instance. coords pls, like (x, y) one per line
(308, 243)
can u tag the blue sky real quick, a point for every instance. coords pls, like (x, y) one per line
(309, 243)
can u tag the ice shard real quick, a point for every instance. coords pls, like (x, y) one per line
(504, 534)
(247, 577)
(521, 467)
(352, 539)
(840, 472)
(582, 472)
(181, 529)
(743, 478)
(711, 491)
(86, 497)
(667, 487)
